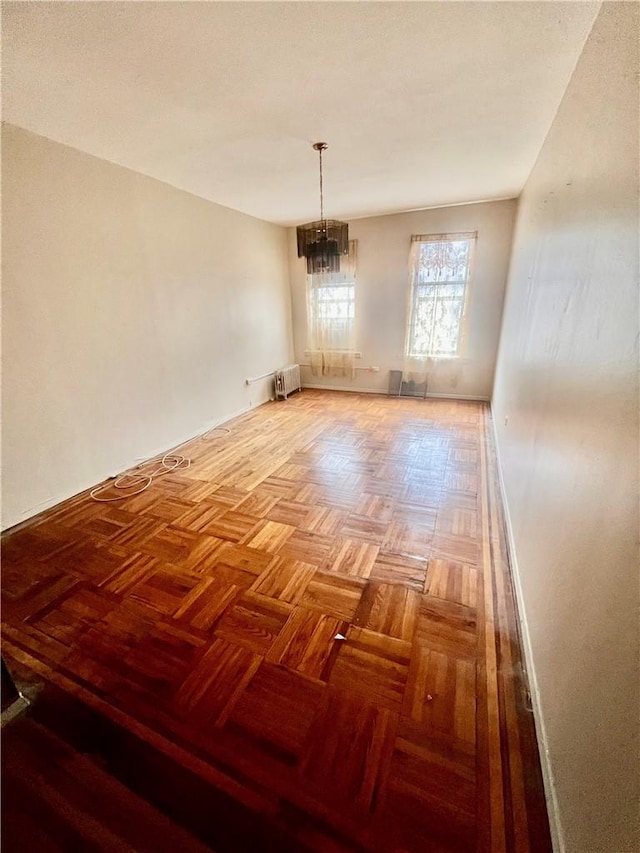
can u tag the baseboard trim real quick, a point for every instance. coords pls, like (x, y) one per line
(28, 514)
(551, 798)
(382, 393)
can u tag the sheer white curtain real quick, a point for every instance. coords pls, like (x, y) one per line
(439, 269)
(331, 319)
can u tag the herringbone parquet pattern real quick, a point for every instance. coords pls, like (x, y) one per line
(206, 610)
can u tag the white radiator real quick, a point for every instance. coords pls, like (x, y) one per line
(287, 380)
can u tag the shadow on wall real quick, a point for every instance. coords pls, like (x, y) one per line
(570, 418)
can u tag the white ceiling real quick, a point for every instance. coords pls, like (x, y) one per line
(422, 104)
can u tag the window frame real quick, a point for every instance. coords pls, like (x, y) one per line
(349, 301)
(317, 282)
(417, 240)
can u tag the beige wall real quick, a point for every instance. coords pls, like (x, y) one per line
(381, 296)
(132, 315)
(566, 412)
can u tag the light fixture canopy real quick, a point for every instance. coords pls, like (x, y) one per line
(324, 241)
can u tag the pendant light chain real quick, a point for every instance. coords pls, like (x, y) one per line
(321, 192)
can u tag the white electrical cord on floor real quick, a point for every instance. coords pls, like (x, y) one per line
(205, 436)
(134, 477)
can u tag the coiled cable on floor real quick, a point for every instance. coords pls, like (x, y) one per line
(135, 477)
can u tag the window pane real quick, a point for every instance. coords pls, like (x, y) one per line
(422, 325)
(444, 261)
(333, 303)
(331, 312)
(440, 274)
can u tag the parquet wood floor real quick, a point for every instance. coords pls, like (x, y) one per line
(200, 620)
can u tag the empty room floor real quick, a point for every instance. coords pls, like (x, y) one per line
(307, 640)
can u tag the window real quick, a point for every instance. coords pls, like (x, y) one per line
(439, 274)
(331, 315)
(331, 312)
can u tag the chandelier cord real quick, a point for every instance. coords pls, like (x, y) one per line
(321, 191)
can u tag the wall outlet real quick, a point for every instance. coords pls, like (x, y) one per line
(374, 369)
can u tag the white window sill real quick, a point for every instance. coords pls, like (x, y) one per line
(346, 351)
(436, 358)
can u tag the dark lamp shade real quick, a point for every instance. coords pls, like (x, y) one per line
(322, 243)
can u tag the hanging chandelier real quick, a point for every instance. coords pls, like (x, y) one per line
(323, 242)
